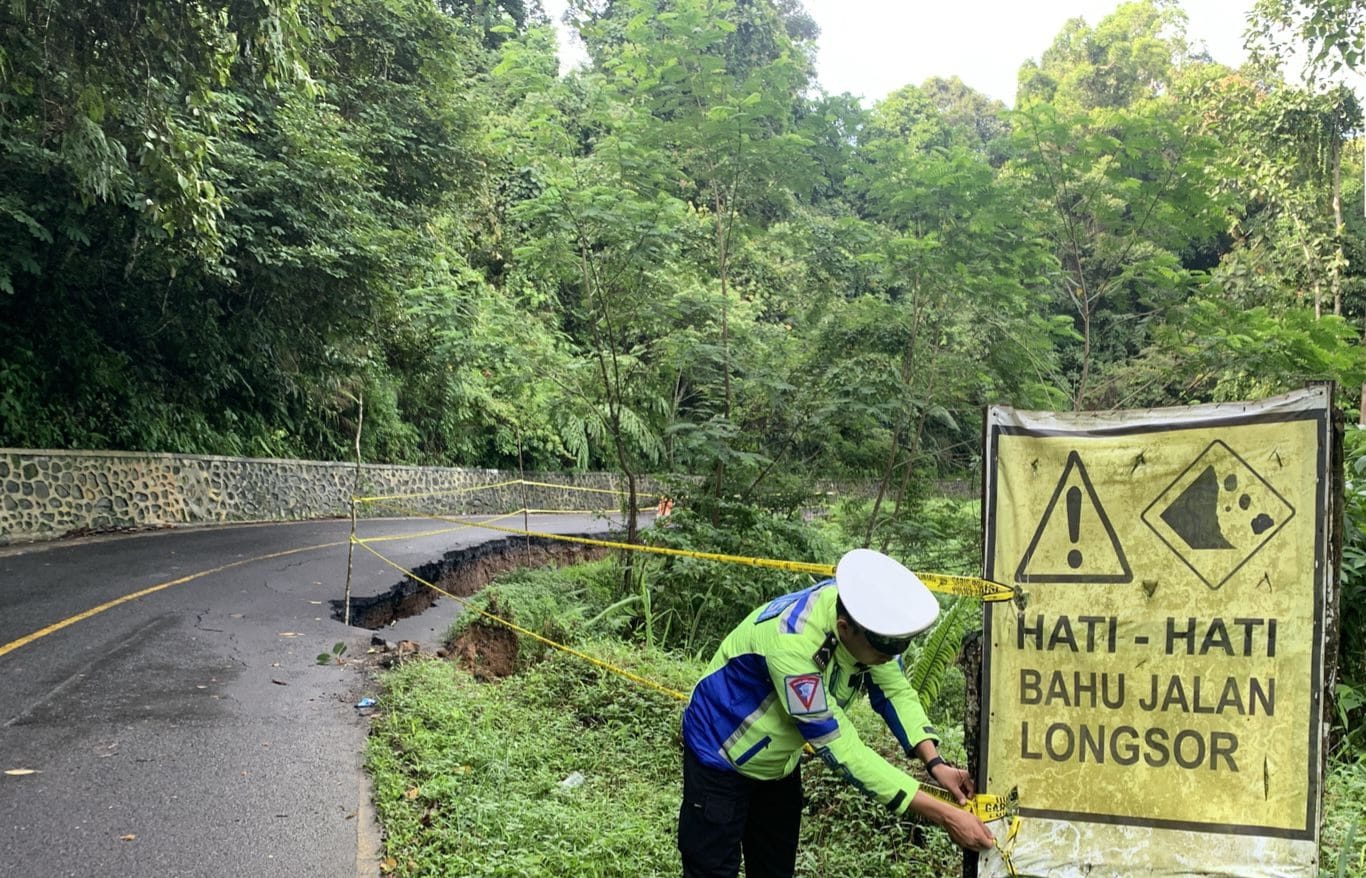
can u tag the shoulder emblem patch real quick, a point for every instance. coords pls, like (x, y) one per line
(805, 694)
(777, 605)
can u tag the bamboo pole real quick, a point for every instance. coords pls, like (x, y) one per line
(355, 492)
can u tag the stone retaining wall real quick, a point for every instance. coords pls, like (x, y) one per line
(46, 494)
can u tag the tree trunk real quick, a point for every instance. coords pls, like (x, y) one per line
(1338, 228)
(355, 492)
(722, 233)
(628, 566)
(1361, 409)
(903, 419)
(884, 481)
(904, 487)
(1309, 268)
(1080, 396)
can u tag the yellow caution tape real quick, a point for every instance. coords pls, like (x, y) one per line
(970, 586)
(1005, 850)
(586, 490)
(985, 806)
(451, 492)
(567, 511)
(431, 533)
(966, 586)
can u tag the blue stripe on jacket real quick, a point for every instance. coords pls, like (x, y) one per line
(883, 705)
(720, 703)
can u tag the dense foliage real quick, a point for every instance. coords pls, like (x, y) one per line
(227, 227)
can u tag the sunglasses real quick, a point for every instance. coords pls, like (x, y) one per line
(889, 646)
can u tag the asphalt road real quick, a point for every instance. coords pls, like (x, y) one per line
(190, 731)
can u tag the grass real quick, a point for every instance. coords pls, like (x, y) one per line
(468, 775)
(468, 778)
(1342, 848)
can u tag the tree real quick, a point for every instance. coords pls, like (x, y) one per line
(1121, 172)
(1128, 57)
(1287, 184)
(1124, 200)
(603, 243)
(1334, 31)
(939, 115)
(958, 279)
(719, 79)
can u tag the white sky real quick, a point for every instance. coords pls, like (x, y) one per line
(872, 47)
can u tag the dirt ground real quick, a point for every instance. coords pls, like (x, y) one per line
(488, 650)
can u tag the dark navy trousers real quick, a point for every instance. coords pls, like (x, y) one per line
(725, 813)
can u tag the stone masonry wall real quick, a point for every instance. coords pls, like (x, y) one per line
(47, 494)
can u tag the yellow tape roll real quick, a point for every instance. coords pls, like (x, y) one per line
(985, 806)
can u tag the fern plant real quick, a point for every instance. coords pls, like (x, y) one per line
(931, 659)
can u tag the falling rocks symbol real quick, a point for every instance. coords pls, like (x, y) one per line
(1217, 513)
(1194, 515)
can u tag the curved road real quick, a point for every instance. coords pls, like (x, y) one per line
(188, 731)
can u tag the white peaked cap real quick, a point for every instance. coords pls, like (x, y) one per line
(883, 596)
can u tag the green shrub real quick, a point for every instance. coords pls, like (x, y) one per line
(1343, 843)
(556, 603)
(934, 534)
(1352, 621)
(697, 602)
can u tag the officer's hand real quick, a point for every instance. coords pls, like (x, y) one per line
(957, 781)
(962, 826)
(967, 831)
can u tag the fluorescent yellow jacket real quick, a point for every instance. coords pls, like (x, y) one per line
(782, 679)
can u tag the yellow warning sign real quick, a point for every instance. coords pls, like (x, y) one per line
(1157, 688)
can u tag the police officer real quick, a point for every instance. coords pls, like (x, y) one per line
(783, 679)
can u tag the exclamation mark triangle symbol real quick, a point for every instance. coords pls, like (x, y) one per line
(1074, 540)
(1074, 557)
